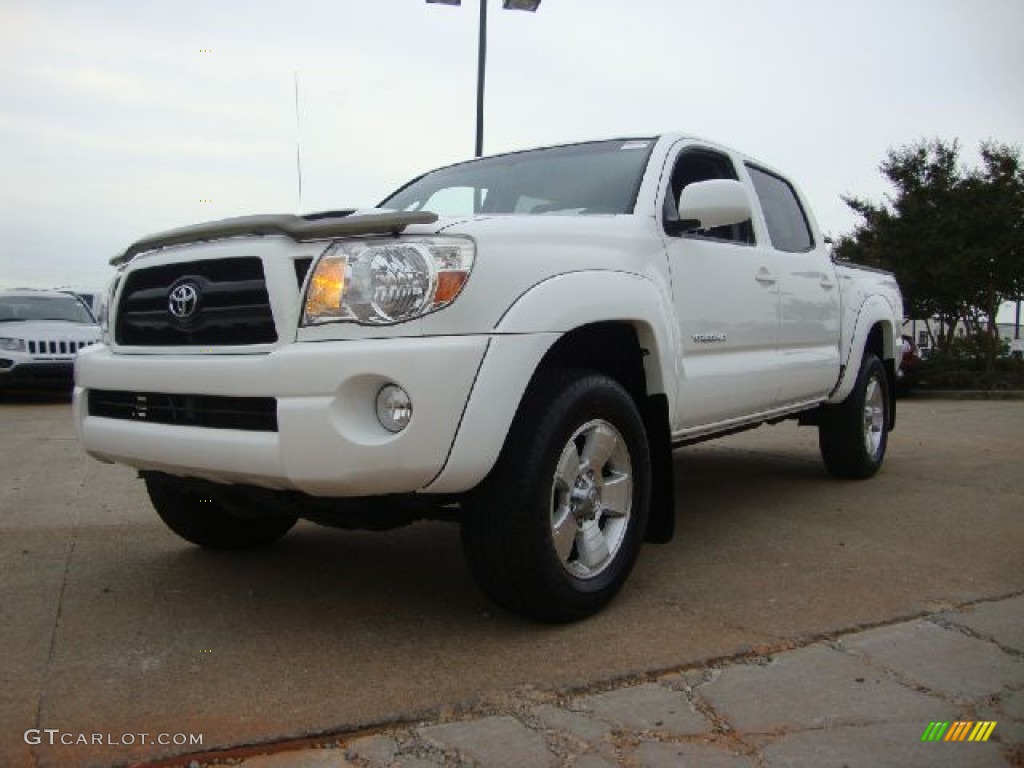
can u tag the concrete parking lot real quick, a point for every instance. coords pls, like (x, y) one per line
(112, 626)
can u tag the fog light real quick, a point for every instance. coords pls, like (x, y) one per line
(394, 408)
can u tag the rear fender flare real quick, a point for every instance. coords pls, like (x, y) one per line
(874, 311)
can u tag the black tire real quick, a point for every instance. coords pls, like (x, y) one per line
(567, 418)
(852, 439)
(203, 519)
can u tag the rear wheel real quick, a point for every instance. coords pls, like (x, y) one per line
(554, 530)
(853, 435)
(205, 519)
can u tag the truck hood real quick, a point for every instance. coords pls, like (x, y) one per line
(369, 221)
(313, 226)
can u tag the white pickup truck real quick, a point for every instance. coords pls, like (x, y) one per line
(516, 343)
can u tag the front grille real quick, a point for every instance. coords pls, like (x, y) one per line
(255, 414)
(232, 306)
(56, 347)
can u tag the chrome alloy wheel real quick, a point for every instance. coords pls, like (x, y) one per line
(874, 417)
(591, 499)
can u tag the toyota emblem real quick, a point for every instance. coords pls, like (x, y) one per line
(183, 300)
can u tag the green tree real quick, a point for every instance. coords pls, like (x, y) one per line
(953, 236)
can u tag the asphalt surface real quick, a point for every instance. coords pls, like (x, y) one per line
(113, 626)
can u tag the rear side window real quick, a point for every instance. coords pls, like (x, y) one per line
(787, 223)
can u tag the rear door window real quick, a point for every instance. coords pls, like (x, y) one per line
(785, 217)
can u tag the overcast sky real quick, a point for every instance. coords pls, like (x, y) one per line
(118, 119)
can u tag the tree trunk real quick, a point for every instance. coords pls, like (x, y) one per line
(992, 340)
(931, 334)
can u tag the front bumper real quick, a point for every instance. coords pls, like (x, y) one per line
(328, 441)
(53, 374)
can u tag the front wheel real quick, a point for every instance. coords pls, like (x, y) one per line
(853, 435)
(554, 530)
(204, 519)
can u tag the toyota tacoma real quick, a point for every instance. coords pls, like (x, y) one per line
(516, 343)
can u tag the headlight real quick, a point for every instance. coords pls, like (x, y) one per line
(380, 282)
(12, 345)
(106, 301)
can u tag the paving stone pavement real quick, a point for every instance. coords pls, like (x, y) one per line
(863, 698)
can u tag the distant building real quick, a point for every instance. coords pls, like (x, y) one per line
(923, 332)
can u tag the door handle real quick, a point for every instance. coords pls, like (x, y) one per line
(826, 283)
(765, 277)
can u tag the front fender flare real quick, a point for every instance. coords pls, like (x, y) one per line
(568, 301)
(524, 334)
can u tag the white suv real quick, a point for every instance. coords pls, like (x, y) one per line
(41, 332)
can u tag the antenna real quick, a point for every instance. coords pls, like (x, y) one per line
(298, 139)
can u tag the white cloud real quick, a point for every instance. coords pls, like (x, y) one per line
(113, 121)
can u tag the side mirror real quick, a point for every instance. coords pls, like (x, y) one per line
(714, 203)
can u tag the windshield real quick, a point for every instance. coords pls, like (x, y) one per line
(596, 178)
(68, 308)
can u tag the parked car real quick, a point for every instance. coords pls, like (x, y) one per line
(909, 371)
(91, 298)
(517, 343)
(41, 332)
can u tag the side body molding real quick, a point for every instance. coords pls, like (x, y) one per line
(524, 334)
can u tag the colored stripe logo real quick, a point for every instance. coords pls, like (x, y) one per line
(960, 730)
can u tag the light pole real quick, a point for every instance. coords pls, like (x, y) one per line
(481, 58)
